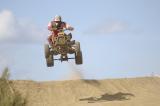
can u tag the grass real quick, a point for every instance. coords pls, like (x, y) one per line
(8, 95)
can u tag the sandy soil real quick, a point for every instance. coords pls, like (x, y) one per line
(113, 92)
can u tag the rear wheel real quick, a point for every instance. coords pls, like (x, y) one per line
(50, 61)
(78, 57)
(78, 53)
(46, 50)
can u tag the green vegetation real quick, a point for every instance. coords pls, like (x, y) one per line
(8, 95)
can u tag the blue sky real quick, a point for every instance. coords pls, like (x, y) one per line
(119, 38)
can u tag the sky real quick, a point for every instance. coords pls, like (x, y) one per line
(119, 38)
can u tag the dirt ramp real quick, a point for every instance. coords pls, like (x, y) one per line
(113, 92)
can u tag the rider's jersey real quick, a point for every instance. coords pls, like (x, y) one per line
(56, 26)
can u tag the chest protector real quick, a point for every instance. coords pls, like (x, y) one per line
(58, 25)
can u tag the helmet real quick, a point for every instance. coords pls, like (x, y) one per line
(57, 18)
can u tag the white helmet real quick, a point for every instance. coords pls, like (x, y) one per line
(57, 18)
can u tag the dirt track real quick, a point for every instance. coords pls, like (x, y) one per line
(116, 92)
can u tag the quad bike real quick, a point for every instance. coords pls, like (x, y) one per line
(62, 45)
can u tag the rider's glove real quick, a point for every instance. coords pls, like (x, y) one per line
(70, 28)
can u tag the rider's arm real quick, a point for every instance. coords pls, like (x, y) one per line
(50, 26)
(68, 27)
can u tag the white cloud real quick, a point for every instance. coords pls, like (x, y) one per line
(16, 31)
(113, 27)
(108, 27)
(7, 24)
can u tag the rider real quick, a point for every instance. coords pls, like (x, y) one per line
(56, 25)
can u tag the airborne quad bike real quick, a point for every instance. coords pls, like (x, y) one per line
(62, 45)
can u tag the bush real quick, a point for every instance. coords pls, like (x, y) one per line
(8, 95)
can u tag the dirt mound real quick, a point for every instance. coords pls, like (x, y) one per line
(113, 92)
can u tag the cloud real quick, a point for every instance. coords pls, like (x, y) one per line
(14, 30)
(7, 26)
(108, 27)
